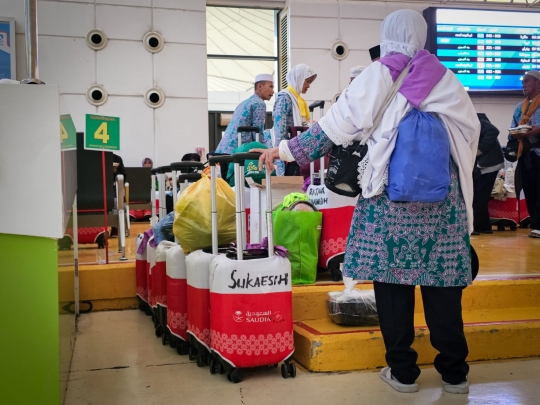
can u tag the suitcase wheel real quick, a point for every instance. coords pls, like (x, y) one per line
(148, 311)
(336, 274)
(214, 368)
(172, 341)
(202, 360)
(192, 353)
(165, 338)
(513, 227)
(288, 369)
(500, 227)
(141, 306)
(159, 331)
(236, 375)
(221, 368)
(182, 348)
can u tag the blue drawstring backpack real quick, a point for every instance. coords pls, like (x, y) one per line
(419, 168)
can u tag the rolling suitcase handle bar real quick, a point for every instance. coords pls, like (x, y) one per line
(316, 104)
(178, 166)
(161, 185)
(239, 159)
(213, 161)
(248, 129)
(153, 220)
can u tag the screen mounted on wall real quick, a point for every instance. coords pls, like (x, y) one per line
(489, 51)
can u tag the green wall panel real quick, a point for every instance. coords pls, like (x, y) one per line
(29, 354)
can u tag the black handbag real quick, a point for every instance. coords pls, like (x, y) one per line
(511, 150)
(342, 174)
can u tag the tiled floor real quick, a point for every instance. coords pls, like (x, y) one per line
(119, 361)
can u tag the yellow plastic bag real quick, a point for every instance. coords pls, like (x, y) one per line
(193, 218)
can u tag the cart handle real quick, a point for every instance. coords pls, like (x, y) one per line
(316, 104)
(163, 169)
(242, 157)
(184, 165)
(248, 129)
(213, 160)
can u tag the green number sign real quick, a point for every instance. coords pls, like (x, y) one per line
(102, 133)
(68, 134)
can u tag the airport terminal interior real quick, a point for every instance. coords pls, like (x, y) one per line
(136, 270)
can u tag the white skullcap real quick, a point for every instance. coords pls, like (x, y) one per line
(355, 71)
(264, 78)
(534, 73)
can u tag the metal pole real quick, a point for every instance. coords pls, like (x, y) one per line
(76, 254)
(269, 223)
(213, 181)
(31, 31)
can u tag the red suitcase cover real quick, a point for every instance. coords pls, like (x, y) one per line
(251, 310)
(337, 212)
(198, 295)
(177, 292)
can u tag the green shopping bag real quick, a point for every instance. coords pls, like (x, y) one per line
(300, 233)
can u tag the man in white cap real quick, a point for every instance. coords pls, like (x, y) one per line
(355, 71)
(528, 171)
(250, 112)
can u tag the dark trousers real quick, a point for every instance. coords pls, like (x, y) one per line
(483, 185)
(442, 307)
(531, 187)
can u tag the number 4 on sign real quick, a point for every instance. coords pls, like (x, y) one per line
(101, 133)
(63, 133)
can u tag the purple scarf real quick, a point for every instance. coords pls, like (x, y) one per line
(425, 72)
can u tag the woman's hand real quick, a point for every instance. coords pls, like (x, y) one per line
(267, 157)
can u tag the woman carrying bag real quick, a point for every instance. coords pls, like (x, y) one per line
(290, 107)
(400, 244)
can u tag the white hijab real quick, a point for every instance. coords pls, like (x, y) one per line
(404, 32)
(296, 78)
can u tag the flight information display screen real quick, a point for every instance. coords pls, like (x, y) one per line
(487, 50)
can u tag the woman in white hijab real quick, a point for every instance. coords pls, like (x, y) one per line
(399, 245)
(290, 107)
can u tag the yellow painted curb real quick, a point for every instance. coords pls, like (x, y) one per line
(362, 351)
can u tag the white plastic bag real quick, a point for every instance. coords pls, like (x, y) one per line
(352, 306)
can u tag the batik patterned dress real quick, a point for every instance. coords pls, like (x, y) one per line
(406, 243)
(283, 119)
(250, 112)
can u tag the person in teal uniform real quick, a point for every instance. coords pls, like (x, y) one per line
(250, 112)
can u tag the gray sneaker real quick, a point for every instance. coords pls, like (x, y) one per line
(386, 376)
(461, 388)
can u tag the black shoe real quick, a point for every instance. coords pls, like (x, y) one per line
(487, 232)
(475, 233)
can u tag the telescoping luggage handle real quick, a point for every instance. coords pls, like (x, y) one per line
(184, 178)
(161, 188)
(248, 129)
(294, 130)
(316, 104)
(213, 160)
(239, 160)
(154, 219)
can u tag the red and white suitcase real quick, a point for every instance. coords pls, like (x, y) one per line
(140, 274)
(337, 212)
(198, 287)
(159, 288)
(150, 265)
(177, 304)
(511, 212)
(87, 236)
(251, 318)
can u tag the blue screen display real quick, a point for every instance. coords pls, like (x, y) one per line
(487, 50)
